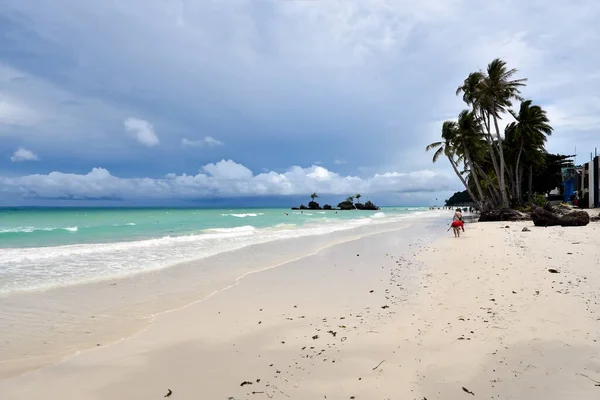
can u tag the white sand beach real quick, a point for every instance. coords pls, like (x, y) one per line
(403, 314)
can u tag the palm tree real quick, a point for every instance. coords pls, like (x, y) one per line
(358, 196)
(350, 199)
(494, 94)
(447, 148)
(470, 90)
(468, 138)
(470, 87)
(313, 196)
(527, 136)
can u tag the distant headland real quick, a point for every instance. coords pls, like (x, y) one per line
(347, 204)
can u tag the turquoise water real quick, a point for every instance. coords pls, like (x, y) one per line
(45, 247)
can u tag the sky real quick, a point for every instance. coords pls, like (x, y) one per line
(193, 102)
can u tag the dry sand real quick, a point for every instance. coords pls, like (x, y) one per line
(375, 318)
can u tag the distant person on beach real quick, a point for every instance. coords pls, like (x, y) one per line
(457, 225)
(457, 215)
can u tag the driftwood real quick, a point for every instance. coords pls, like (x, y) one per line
(377, 366)
(549, 216)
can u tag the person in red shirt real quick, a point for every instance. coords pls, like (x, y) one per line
(457, 225)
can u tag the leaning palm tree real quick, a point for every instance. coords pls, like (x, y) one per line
(494, 94)
(471, 90)
(468, 138)
(452, 153)
(358, 196)
(470, 87)
(527, 136)
(313, 196)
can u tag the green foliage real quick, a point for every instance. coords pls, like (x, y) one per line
(494, 166)
(548, 176)
(539, 200)
(459, 198)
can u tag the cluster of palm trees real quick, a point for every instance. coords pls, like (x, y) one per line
(490, 163)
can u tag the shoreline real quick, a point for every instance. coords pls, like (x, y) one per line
(231, 301)
(130, 256)
(89, 312)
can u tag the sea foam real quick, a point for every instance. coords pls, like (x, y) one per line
(243, 215)
(31, 229)
(43, 267)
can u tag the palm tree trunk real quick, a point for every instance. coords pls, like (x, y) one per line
(494, 195)
(501, 153)
(492, 148)
(474, 173)
(494, 199)
(517, 168)
(530, 182)
(457, 172)
(511, 178)
(520, 183)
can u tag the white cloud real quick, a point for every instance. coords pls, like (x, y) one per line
(142, 130)
(211, 141)
(23, 154)
(206, 141)
(225, 178)
(227, 170)
(354, 73)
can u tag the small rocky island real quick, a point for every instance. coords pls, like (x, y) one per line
(347, 204)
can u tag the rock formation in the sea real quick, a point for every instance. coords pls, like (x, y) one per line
(368, 206)
(549, 216)
(503, 214)
(349, 205)
(346, 205)
(313, 205)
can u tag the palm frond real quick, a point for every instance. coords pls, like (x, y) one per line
(437, 154)
(433, 146)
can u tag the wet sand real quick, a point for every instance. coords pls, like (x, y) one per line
(39, 328)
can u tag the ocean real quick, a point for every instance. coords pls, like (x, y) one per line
(42, 248)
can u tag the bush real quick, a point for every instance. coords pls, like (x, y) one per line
(327, 207)
(539, 200)
(303, 207)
